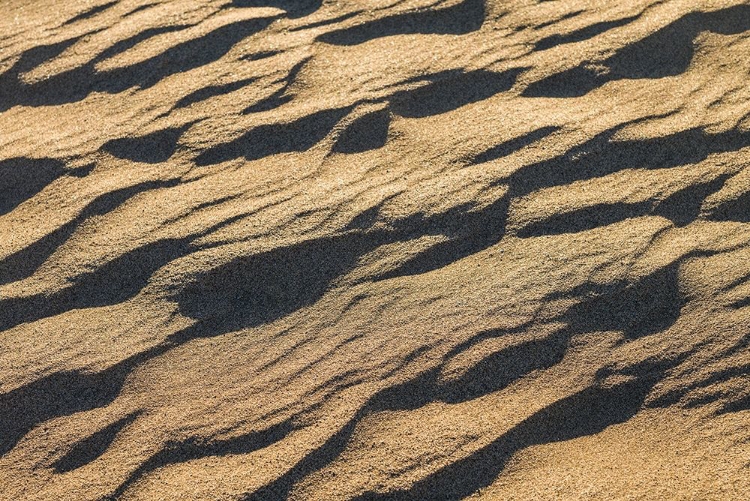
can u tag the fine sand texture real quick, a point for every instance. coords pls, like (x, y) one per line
(374, 249)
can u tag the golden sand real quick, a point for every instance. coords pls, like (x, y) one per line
(374, 249)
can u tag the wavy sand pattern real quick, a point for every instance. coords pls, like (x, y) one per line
(374, 249)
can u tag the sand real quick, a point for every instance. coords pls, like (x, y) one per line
(374, 249)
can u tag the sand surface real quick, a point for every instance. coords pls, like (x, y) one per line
(374, 249)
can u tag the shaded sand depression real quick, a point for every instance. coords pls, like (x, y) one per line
(374, 249)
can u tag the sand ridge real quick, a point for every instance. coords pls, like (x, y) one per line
(382, 249)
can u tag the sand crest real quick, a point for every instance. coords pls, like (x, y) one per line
(381, 249)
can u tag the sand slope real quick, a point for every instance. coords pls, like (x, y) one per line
(374, 249)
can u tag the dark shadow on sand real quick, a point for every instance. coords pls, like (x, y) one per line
(667, 52)
(459, 19)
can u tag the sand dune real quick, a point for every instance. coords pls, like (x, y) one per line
(381, 249)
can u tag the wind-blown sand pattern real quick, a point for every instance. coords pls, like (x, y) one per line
(374, 249)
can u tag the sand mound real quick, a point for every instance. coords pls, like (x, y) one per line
(382, 249)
